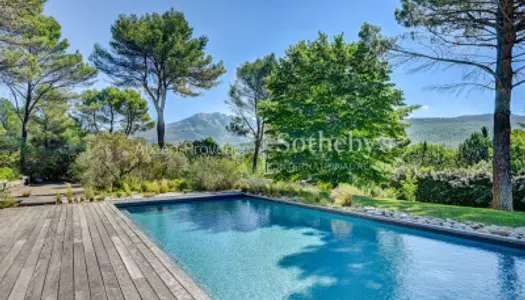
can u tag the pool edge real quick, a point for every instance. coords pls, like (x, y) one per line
(469, 235)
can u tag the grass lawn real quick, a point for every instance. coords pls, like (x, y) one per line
(461, 213)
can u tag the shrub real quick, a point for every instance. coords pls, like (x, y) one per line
(9, 174)
(126, 189)
(59, 198)
(6, 199)
(69, 193)
(215, 174)
(409, 187)
(101, 196)
(90, 195)
(342, 196)
(109, 159)
(460, 187)
(164, 186)
(166, 164)
(26, 193)
(151, 187)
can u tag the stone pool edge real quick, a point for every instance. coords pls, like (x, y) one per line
(469, 235)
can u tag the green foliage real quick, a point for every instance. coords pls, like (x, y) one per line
(159, 41)
(215, 174)
(89, 193)
(114, 110)
(69, 192)
(458, 187)
(431, 156)
(26, 193)
(409, 187)
(167, 163)
(245, 94)
(323, 86)
(109, 158)
(475, 149)
(9, 174)
(517, 152)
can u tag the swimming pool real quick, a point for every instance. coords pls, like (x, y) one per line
(248, 248)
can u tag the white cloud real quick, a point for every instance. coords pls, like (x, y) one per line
(425, 107)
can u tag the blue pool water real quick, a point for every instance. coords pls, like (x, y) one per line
(246, 248)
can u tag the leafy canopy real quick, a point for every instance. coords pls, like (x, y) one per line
(339, 90)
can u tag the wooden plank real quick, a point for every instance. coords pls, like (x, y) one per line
(125, 252)
(36, 284)
(109, 278)
(66, 287)
(128, 289)
(187, 282)
(169, 280)
(10, 218)
(79, 259)
(52, 277)
(19, 290)
(147, 269)
(17, 241)
(96, 286)
(10, 278)
(22, 226)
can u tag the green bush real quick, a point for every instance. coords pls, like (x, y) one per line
(461, 187)
(215, 174)
(151, 187)
(9, 174)
(164, 186)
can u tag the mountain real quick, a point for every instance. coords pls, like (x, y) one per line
(448, 131)
(451, 131)
(198, 127)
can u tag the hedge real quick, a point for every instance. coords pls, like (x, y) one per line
(464, 188)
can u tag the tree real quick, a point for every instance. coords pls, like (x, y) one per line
(158, 54)
(114, 110)
(245, 95)
(517, 148)
(45, 68)
(16, 18)
(135, 115)
(474, 149)
(484, 37)
(333, 112)
(426, 155)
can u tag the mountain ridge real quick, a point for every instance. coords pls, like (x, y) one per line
(450, 131)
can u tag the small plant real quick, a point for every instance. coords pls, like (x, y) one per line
(82, 198)
(102, 196)
(69, 193)
(26, 193)
(127, 190)
(90, 195)
(152, 187)
(164, 186)
(342, 196)
(59, 198)
(6, 199)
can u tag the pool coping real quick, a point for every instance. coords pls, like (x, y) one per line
(469, 235)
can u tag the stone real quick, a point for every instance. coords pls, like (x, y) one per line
(504, 231)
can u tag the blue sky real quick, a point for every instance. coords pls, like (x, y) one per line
(242, 30)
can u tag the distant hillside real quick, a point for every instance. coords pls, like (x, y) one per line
(451, 131)
(197, 127)
(448, 131)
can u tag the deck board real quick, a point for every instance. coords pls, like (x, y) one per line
(84, 251)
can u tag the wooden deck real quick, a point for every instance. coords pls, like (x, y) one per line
(84, 251)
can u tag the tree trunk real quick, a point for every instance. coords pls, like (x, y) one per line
(23, 143)
(160, 129)
(502, 185)
(256, 155)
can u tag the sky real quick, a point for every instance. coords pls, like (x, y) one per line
(243, 30)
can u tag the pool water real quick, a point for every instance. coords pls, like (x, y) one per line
(247, 248)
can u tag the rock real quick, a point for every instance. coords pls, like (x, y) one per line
(483, 230)
(520, 230)
(504, 231)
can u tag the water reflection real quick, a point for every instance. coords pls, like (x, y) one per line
(275, 251)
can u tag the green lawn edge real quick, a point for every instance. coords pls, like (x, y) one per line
(460, 213)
